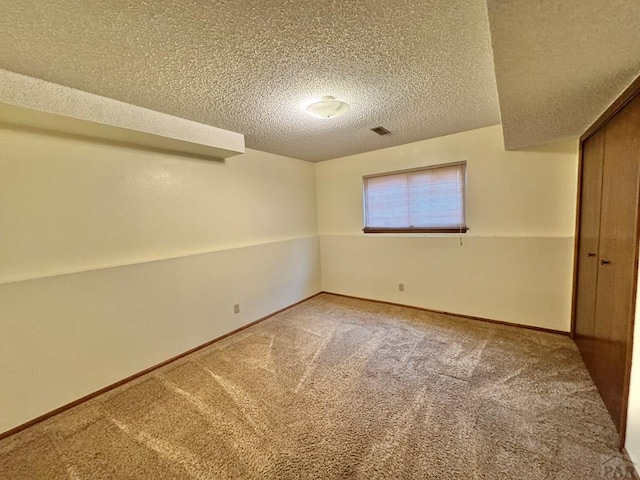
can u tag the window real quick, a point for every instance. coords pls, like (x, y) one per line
(430, 200)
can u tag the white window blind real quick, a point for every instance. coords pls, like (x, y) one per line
(425, 199)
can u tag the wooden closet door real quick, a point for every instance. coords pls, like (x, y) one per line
(588, 242)
(617, 266)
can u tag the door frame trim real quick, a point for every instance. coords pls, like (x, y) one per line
(618, 104)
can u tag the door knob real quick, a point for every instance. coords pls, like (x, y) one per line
(604, 262)
(591, 254)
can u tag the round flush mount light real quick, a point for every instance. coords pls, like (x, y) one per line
(328, 107)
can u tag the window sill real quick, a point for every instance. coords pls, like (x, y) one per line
(416, 230)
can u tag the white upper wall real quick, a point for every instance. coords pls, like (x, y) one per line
(514, 264)
(524, 193)
(69, 205)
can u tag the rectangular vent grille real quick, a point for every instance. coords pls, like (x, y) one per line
(380, 131)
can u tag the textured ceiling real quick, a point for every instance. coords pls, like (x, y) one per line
(560, 63)
(419, 68)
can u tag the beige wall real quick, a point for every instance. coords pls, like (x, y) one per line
(633, 412)
(514, 264)
(68, 205)
(113, 259)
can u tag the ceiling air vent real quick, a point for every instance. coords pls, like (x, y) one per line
(380, 131)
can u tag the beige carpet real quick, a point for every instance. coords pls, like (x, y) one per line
(341, 388)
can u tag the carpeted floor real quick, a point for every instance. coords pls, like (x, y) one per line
(341, 388)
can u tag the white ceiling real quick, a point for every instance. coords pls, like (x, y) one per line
(420, 68)
(560, 63)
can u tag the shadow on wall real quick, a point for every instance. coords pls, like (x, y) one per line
(101, 141)
(560, 146)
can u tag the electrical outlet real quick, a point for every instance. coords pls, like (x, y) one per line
(236, 308)
(401, 287)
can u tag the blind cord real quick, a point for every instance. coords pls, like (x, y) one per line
(458, 207)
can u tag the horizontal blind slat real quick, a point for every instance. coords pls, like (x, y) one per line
(433, 197)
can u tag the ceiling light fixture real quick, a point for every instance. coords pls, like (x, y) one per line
(328, 107)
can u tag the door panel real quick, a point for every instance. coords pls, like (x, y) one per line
(588, 242)
(617, 263)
